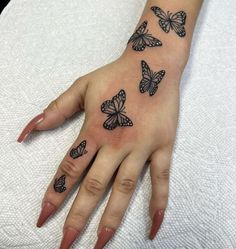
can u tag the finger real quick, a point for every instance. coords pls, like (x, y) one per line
(90, 192)
(70, 169)
(122, 191)
(63, 107)
(159, 169)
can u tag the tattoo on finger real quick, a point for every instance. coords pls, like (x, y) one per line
(59, 184)
(79, 150)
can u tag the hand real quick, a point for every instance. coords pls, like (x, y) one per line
(148, 133)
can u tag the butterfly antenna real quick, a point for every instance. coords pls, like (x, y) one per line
(169, 14)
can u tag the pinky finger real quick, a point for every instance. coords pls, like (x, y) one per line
(159, 168)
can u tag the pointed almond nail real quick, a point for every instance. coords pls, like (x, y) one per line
(47, 210)
(104, 236)
(156, 223)
(30, 127)
(70, 235)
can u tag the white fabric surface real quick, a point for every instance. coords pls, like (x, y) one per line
(44, 46)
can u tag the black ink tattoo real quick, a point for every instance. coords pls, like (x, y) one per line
(114, 109)
(79, 150)
(169, 21)
(141, 39)
(150, 80)
(59, 184)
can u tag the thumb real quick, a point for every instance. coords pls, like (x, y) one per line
(63, 107)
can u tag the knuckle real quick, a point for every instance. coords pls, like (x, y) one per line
(54, 105)
(69, 168)
(76, 218)
(163, 196)
(126, 185)
(94, 186)
(57, 106)
(163, 174)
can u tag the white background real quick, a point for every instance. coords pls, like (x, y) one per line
(44, 46)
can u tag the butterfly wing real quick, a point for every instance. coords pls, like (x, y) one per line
(179, 29)
(133, 37)
(59, 184)
(74, 153)
(108, 107)
(123, 120)
(177, 23)
(157, 78)
(179, 17)
(165, 25)
(111, 123)
(139, 44)
(146, 80)
(119, 100)
(79, 150)
(159, 12)
(141, 29)
(164, 21)
(151, 41)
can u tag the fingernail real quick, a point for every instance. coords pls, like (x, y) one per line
(156, 223)
(30, 127)
(47, 210)
(104, 236)
(69, 236)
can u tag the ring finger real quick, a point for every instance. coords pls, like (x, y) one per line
(122, 191)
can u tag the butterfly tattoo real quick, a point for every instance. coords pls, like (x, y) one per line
(79, 150)
(114, 109)
(169, 21)
(59, 184)
(150, 80)
(141, 39)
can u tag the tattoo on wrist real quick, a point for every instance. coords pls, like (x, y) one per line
(114, 109)
(141, 39)
(79, 150)
(150, 80)
(59, 184)
(169, 21)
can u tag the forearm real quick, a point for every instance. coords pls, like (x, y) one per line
(173, 45)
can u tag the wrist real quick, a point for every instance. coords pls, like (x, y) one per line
(171, 51)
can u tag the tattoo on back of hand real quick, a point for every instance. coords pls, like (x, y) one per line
(114, 109)
(59, 184)
(169, 21)
(150, 80)
(79, 150)
(141, 39)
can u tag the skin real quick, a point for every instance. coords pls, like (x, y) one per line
(151, 138)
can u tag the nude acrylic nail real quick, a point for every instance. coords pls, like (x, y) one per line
(104, 236)
(48, 209)
(30, 127)
(69, 236)
(156, 223)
